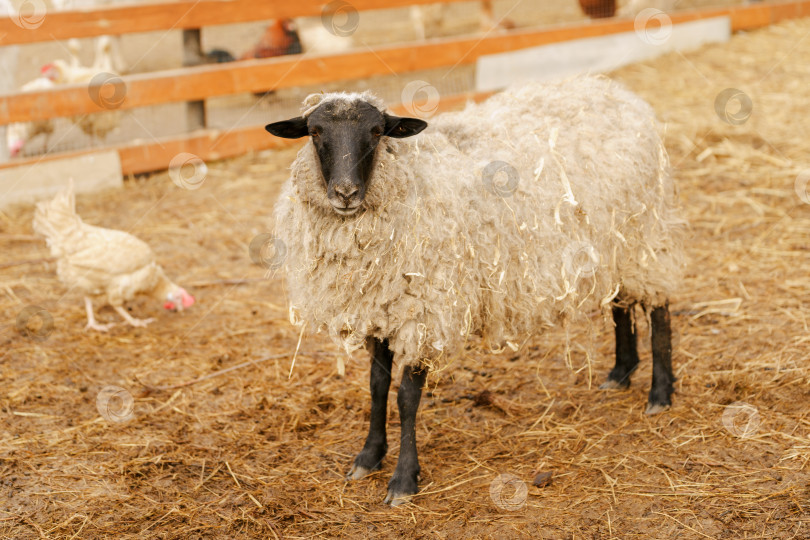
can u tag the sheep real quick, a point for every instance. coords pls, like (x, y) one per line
(413, 244)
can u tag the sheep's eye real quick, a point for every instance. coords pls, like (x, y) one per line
(314, 132)
(376, 131)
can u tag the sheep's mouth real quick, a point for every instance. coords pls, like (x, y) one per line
(346, 211)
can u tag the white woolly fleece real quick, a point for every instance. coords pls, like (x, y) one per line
(436, 255)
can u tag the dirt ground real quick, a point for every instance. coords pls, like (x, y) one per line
(258, 453)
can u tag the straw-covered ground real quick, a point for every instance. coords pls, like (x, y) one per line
(254, 452)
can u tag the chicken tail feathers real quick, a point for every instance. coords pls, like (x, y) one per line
(55, 219)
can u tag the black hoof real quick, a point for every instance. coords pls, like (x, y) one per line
(366, 462)
(618, 378)
(610, 384)
(401, 488)
(655, 408)
(660, 400)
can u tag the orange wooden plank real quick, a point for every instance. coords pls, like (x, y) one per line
(200, 82)
(209, 145)
(754, 16)
(763, 14)
(789, 10)
(182, 14)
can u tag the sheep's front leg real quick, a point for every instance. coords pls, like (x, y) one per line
(626, 349)
(376, 446)
(662, 378)
(405, 480)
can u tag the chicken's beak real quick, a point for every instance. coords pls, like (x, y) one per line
(178, 300)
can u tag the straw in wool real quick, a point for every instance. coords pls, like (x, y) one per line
(438, 255)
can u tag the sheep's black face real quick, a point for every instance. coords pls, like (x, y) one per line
(346, 139)
(346, 136)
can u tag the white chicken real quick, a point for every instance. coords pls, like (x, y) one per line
(113, 266)
(68, 72)
(72, 72)
(18, 134)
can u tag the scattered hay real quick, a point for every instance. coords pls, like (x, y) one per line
(252, 453)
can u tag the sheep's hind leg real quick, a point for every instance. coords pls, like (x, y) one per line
(626, 349)
(662, 377)
(406, 476)
(376, 446)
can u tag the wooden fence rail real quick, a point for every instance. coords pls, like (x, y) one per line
(180, 15)
(209, 144)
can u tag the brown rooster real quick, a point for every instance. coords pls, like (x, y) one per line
(598, 9)
(279, 38)
(111, 265)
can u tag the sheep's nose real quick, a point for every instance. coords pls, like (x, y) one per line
(346, 191)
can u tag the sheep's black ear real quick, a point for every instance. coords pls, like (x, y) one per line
(400, 127)
(294, 128)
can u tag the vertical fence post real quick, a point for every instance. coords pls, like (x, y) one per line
(9, 57)
(193, 55)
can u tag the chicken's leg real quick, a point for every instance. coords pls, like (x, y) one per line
(91, 319)
(139, 323)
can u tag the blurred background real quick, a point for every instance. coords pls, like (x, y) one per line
(339, 28)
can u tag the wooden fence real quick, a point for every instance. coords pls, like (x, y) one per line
(200, 82)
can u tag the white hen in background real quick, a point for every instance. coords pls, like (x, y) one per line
(68, 72)
(72, 72)
(19, 134)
